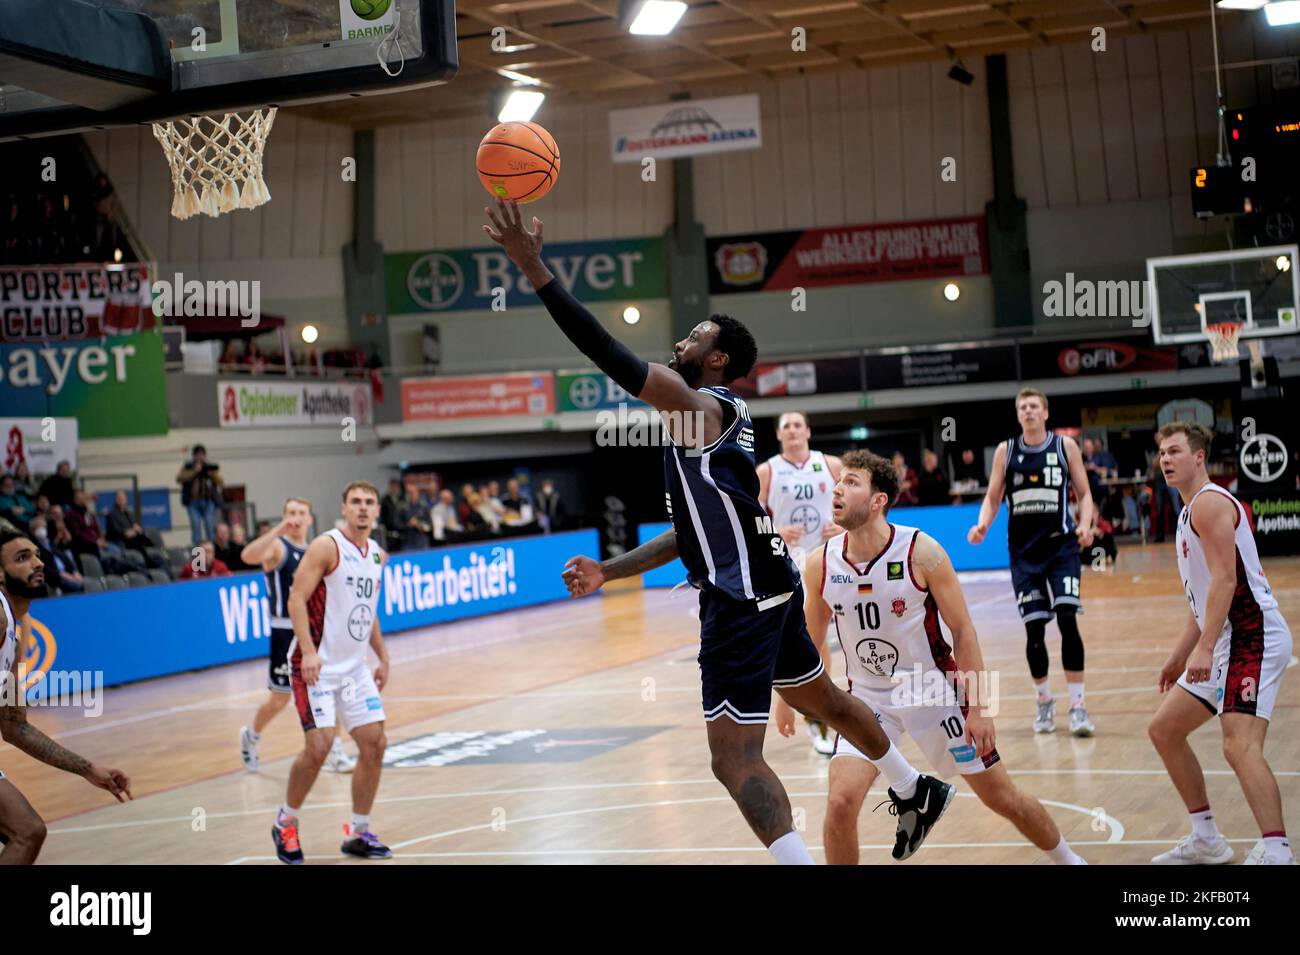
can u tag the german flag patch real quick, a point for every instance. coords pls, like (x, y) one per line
(864, 588)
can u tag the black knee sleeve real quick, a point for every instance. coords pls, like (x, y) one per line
(1036, 649)
(1071, 642)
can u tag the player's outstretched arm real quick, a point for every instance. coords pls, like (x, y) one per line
(656, 385)
(932, 570)
(583, 576)
(1214, 519)
(17, 732)
(316, 563)
(992, 498)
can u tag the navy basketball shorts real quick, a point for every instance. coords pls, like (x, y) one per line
(745, 651)
(1042, 582)
(278, 678)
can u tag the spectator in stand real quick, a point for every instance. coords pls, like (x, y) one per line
(254, 359)
(933, 486)
(463, 507)
(59, 532)
(42, 507)
(550, 507)
(413, 519)
(229, 355)
(968, 475)
(227, 549)
(491, 495)
(23, 480)
(388, 509)
(906, 481)
(60, 565)
(15, 505)
(208, 564)
(200, 481)
(122, 528)
(479, 524)
(518, 513)
(58, 486)
(447, 527)
(83, 526)
(239, 540)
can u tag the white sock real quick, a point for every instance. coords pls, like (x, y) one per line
(1064, 855)
(1277, 847)
(1076, 694)
(337, 745)
(1203, 825)
(254, 735)
(902, 776)
(360, 823)
(1044, 690)
(790, 850)
(287, 813)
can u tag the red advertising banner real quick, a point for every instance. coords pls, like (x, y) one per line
(40, 303)
(848, 255)
(446, 399)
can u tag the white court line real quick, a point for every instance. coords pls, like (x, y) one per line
(579, 787)
(535, 853)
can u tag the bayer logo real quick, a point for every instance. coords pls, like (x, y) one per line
(1263, 458)
(360, 622)
(435, 281)
(585, 392)
(806, 518)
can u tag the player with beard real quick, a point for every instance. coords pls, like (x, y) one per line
(752, 633)
(22, 831)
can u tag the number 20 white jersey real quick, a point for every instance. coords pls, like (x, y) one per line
(341, 611)
(800, 494)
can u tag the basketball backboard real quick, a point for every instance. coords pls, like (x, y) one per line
(211, 56)
(1258, 287)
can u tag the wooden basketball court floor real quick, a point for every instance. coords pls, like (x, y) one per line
(613, 680)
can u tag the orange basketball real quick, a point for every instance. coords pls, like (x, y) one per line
(518, 161)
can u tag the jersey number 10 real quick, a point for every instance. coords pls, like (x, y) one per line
(868, 616)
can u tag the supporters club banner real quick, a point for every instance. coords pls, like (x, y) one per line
(114, 387)
(460, 280)
(244, 404)
(686, 128)
(146, 632)
(42, 303)
(40, 443)
(848, 255)
(446, 399)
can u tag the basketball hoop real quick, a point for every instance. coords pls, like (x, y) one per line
(216, 164)
(1223, 338)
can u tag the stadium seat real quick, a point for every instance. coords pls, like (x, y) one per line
(93, 585)
(155, 537)
(90, 566)
(159, 576)
(137, 579)
(115, 582)
(134, 558)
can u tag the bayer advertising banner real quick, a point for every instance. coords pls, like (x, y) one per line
(154, 631)
(947, 524)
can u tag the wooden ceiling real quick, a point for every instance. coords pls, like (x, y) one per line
(578, 52)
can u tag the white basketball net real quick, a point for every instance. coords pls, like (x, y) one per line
(216, 164)
(1223, 340)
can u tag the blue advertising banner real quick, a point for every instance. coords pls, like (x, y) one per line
(155, 506)
(947, 524)
(154, 631)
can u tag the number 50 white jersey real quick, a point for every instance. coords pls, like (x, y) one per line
(341, 611)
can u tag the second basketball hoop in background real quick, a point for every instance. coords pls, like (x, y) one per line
(518, 161)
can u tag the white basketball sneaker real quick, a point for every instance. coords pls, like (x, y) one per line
(1080, 725)
(822, 741)
(339, 761)
(1195, 851)
(1045, 721)
(1259, 856)
(248, 749)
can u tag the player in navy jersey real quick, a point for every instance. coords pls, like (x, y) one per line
(1036, 471)
(752, 632)
(278, 552)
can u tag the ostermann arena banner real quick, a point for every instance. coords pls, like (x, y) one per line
(848, 255)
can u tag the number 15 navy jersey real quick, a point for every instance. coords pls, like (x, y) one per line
(1037, 492)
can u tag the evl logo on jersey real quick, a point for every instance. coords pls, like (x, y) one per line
(841, 579)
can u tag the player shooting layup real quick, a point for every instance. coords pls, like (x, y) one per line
(752, 633)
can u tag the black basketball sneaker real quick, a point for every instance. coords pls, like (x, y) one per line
(364, 845)
(917, 816)
(287, 849)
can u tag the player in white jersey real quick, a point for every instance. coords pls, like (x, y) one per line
(333, 606)
(884, 587)
(22, 831)
(1228, 662)
(279, 552)
(795, 486)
